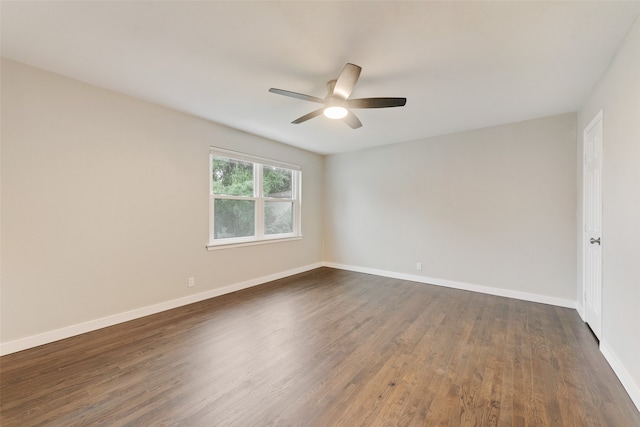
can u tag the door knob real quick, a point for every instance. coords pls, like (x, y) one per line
(592, 240)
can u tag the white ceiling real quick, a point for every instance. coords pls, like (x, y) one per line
(461, 65)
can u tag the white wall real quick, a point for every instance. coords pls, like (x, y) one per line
(618, 95)
(492, 208)
(105, 205)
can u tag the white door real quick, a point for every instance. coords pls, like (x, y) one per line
(592, 216)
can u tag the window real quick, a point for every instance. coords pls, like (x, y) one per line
(251, 199)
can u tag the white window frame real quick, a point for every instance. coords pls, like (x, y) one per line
(258, 197)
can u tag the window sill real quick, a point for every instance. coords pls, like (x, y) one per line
(218, 246)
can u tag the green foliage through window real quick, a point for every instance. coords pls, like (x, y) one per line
(234, 218)
(276, 182)
(278, 217)
(238, 203)
(232, 177)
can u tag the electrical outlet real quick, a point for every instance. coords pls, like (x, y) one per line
(192, 282)
(419, 266)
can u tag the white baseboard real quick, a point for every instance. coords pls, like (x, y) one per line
(92, 325)
(580, 310)
(632, 388)
(561, 302)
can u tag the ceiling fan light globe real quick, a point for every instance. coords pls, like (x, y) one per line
(335, 112)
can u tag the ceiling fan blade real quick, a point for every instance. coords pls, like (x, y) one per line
(309, 116)
(352, 120)
(296, 95)
(376, 102)
(347, 80)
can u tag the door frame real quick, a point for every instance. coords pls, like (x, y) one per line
(593, 122)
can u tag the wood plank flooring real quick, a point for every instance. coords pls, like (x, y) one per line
(325, 348)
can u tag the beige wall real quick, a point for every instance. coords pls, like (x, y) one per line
(618, 95)
(492, 207)
(105, 204)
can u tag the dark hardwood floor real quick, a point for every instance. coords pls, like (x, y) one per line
(325, 348)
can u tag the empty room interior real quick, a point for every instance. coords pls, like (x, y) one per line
(190, 236)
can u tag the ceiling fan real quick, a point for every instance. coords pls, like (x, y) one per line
(337, 105)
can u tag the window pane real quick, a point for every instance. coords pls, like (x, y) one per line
(276, 182)
(233, 218)
(232, 177)
(278, 217)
